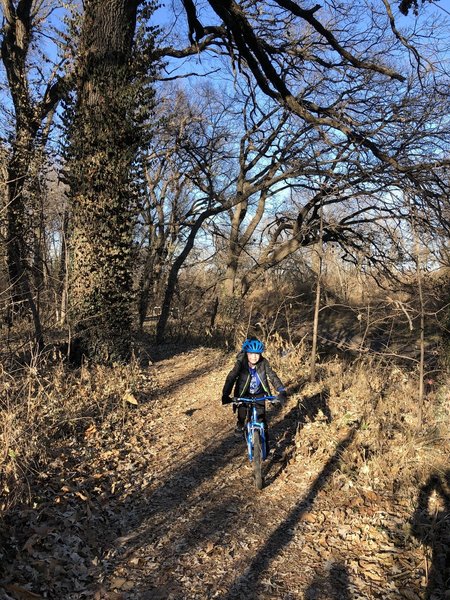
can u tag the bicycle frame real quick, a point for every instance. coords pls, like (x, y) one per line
(252, 424)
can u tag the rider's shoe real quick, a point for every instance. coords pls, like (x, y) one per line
(238, 429)
(276, 455)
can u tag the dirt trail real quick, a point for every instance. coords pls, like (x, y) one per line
(169, 510)
(206, 532)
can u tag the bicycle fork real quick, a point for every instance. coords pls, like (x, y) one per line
(253, 426)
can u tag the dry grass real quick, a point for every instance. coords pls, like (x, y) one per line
(111, 462)
(396, 446)
(46, 401)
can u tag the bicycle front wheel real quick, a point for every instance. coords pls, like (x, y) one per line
(257, 460)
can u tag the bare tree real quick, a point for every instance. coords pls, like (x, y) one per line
(344, 132)
(190, 140)
(367, 102)
(32, 105)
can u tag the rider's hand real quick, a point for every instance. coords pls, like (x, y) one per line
(226, 399)
(281, 398)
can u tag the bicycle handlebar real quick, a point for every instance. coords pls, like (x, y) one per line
(255, 400)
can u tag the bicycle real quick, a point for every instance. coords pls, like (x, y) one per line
(254, 435)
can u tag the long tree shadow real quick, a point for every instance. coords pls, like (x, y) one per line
(176, 489)
(431, 525)
(333, 585)
(214, 528)
(119, 525)
(282, 436)
(285, 532)
(215, 524)
(311, 406)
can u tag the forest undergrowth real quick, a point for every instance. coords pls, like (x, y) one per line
(362, 410)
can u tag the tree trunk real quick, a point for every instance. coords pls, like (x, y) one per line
(17, 34)
(16, 232)
(175, 269)
(312, 375)
(235, 248)
(446, 343)
(15, 241)
(63, 279)
(229, 283)
(102, 149)
(419, 277)
(173, 278)
(152, 280)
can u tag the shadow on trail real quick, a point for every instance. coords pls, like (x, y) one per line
(282, 436)
(332, 585)
(311, 406)
(194, 374)
(284, 533)
(109, 524)
(188, 476)
(283, 432)
(112, 525)
(431, 525)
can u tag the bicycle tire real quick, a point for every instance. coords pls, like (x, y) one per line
(257, 460)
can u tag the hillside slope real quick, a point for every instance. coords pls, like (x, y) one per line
(164, 507)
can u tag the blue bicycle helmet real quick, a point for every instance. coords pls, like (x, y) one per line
(253, 345)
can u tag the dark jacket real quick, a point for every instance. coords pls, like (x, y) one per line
(239, 376)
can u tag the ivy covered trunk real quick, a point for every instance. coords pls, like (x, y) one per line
(101, 153)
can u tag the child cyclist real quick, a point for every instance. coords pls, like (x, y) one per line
(250, 377)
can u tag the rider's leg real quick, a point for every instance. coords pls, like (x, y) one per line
(241, 415)
(261, 412)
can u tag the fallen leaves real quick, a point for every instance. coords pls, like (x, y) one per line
(148, 510)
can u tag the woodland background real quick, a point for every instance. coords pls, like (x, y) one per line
(190, 174)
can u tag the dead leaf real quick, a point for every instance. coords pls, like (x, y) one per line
(82, 496)
(29, 544)
(22, 593)
(128, 397)
(118, 582)
(309, 518)
(372, 575)
(90, 431)
(128, 585)
(209, 547)
(409, 594)
(370, 496)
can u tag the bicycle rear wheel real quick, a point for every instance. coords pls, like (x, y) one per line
(257, 460)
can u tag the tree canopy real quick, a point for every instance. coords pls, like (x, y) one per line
(321, 114)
